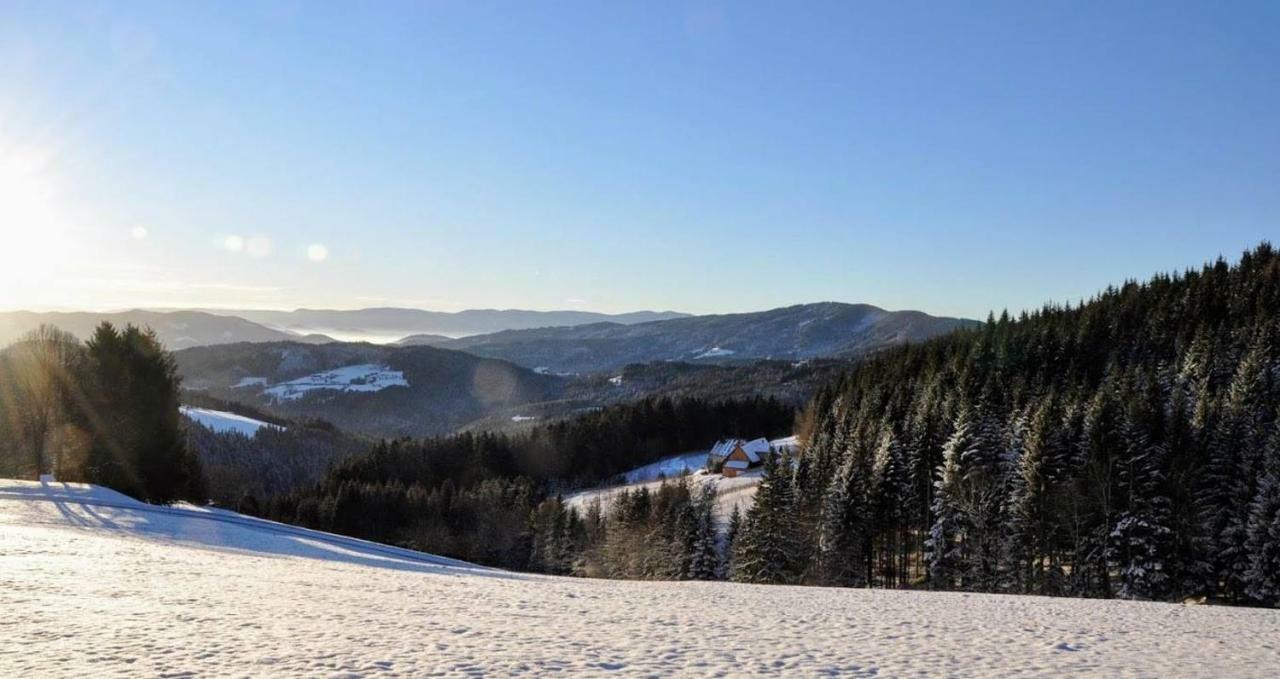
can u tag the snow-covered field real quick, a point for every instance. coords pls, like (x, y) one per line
(737, 492)
(363, 377)
(668, 467)
(94, 584)
(222, 421)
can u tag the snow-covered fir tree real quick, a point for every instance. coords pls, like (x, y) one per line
(1262, 579)
(768, 546)
(841, 533)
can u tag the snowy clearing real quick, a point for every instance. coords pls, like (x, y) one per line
(715, 352)
(95, 584)
(222, 422)
(669, 467)
(365, 377)
(737, 492)
(250, 382)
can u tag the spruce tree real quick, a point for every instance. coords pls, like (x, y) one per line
(1233, 468)
(1034, 502)
(841, 527)
(1141, 542)
(703, 552)
(1263, 541)
(768, 548)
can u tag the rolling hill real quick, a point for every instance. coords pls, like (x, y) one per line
(389, 324)
(825, 329)
(372, 389)
(176, 329)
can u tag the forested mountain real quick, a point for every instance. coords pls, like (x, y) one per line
(174, 329)
(388, 324)
(804, 331)
(448, 390)
(1124, 447)
(432, 391)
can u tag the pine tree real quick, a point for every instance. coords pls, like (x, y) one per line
(1234, 464)
(768, 547)
(841, 527)
(730, 542)
(1141, 543)
(703, 554)
(1034, 502)
(944, 548)
(965, 539)
(1263, 540)
(885, 497)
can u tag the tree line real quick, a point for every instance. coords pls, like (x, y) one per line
(104, 411)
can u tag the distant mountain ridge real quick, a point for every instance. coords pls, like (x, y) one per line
(389, 324)
(823, 329)
(176, 329)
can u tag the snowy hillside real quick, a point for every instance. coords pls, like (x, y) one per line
(364, 377)
(737, 492)
(95, 584)
(223, 422)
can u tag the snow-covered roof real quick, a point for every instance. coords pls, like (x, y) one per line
(737, 464)
(755, 448)
(722, 448)
(790, 442)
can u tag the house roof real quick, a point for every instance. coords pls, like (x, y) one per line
(723, 447)
(755, 448)
(737, 464)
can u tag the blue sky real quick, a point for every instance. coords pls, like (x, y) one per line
(706, 157)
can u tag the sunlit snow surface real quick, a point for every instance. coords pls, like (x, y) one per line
(364, 377)
(92, 584)
(223, 422)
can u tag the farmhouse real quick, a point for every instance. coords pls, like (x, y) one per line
(739, 455)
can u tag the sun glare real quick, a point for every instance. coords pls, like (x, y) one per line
(33, 234)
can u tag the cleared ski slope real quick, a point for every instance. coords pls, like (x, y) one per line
(94, 584)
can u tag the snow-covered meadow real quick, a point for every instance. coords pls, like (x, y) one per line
(223, 422)
(366, 377)
(94, 584)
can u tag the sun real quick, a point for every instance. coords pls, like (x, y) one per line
(33, 228)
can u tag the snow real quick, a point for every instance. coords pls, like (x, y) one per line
(366, 377)
(95, 584)
(782, 445)
(739, 491)
(669, 467)
(250, 382)
(523, 418)
(616, 380)
(715, 352)
(222, 421)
